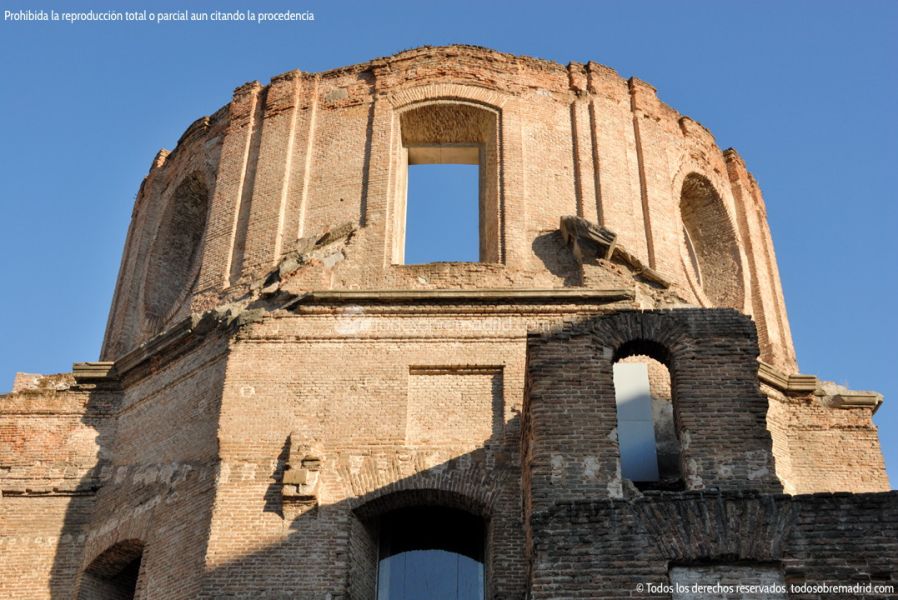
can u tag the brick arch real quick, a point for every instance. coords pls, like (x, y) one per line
(104, 564)
(429, 492)
(447, 92)
(570, 410)
(132, 527)
(641, 347)
(692, 164)
(469, 489)
(382, 503)
(658, 335)
(362, 478)
(713, 376)
(477, 121)
(750, 527)
(113, 574)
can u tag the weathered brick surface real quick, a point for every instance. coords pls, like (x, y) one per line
(310, 151)
(606, 549)
(820, 448)
(277, 381)
(719, 410)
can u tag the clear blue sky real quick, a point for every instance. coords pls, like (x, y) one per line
(806, 91)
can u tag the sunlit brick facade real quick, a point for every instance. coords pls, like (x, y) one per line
(275, 381)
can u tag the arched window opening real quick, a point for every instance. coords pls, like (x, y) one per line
(430, 552)
(113, 575)
(448, 210)
(710, 250)
(646, 423)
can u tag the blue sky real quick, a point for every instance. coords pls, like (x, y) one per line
(806, 91)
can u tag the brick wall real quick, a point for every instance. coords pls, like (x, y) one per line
(249, 440)
(311, 151)
(402, 405)
(822, 448)
(606, 549)
(50, 438)
(719, 411)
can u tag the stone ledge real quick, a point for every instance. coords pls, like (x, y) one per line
(775, 378)
(832, 398)
(197, 325)
(855, 400)
(93, 372)
(76, 488)
(169, 338)
(563, 295)
(455, 369)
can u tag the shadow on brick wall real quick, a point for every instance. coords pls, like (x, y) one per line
(153, 483)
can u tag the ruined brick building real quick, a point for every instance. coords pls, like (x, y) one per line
(609, 398)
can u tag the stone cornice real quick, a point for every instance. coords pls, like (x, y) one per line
(506, 296)
(93, 372)
(852, 399)
(782, 382)
(177, 338)
(802, 384)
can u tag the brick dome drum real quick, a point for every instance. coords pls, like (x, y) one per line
(310, 152)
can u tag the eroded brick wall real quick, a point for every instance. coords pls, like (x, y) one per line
(817, 539)
(720, 412)
(822, 448)
(420, 403)
(375, 389)
(311, 151)
(158, 480)
(50, 440)
(414, 403)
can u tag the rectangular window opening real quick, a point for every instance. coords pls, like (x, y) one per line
(443, 194)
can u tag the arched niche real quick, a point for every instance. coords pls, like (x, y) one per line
(709, 247)
(172, 264)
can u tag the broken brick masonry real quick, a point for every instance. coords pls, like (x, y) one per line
(274, 379)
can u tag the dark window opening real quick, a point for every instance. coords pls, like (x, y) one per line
(432, 553)
(114, 574)
(442, 219)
